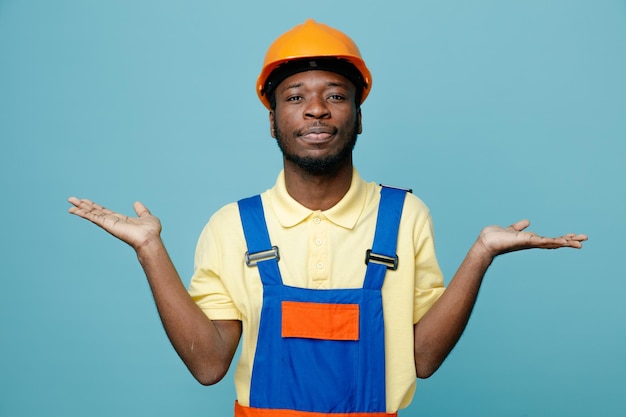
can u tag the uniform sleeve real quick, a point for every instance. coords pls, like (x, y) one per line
(429, 284)
(206, 287)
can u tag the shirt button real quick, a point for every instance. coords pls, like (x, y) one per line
(320, 265)
(318, 242)
(317, 220)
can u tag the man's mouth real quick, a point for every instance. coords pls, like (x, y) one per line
(317, 133)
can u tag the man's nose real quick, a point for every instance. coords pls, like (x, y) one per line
(316, 108)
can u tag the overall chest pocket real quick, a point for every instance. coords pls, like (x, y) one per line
(322, 321)
(319, 359)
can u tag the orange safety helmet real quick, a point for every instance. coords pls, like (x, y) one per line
(312, 40)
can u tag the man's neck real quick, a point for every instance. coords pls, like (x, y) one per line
(317, 192)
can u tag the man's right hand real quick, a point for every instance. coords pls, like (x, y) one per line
(135, 231)
(207, 347)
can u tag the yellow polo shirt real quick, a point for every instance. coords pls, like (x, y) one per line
(321, 250)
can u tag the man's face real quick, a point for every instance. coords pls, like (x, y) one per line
(316, 121)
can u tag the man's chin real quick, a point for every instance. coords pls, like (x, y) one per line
(319, 166)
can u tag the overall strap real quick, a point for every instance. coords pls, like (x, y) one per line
(260, 253)
(383, 256)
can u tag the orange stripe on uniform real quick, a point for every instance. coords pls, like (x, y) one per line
(241, 411)
(320, 320)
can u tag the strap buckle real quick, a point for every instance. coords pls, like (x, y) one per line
(391, 262)
(254, 258)
(408, 190)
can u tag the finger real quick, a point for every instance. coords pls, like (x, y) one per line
(576, 241)
(80, 202)
(83, 204)
(140, 209)
(571, 241)
(575, 237)
(581, 237)
(95, 207)
(74, 201)
(87, 208)
(520, 225)
(80, 207)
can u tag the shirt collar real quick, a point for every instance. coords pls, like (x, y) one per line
(345, 213)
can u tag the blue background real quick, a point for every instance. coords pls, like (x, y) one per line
(491, 111)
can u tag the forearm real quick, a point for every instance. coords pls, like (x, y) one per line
(206, 347)
(440, 329)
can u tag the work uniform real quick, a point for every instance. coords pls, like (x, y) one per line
(321, 250)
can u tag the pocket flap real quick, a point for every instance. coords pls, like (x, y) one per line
(320, 320)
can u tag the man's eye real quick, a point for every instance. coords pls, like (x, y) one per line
(337, 97)
(294, 98)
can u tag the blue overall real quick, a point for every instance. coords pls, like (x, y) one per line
(341, 373)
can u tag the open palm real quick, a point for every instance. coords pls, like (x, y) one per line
(135, 231)
(499, 240)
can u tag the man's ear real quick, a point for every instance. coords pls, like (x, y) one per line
(272, 122)
(359, 125)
